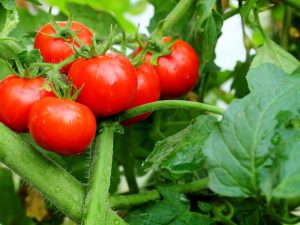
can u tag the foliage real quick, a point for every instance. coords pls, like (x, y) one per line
(247, 160)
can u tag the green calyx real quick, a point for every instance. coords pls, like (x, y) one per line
(21, 64)
(62, 87)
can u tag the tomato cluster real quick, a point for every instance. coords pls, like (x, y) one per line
(109, 84)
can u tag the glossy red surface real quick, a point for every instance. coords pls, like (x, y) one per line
(17, 96)
(61, 125)
(109, 81)
(148, 90)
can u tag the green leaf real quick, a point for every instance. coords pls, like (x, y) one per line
(114, 8)
(9, 48)
(239, 147)
(162, 9)
(6, 69)
(272, 53)
(240, 84)
(99, 21)
(211, 31)
(138, 8)
(204, 10)
(172, 210)
(282, 179)
(8, 4)
(35, 2)
(181, 153)
(11, 211)
(246, 8)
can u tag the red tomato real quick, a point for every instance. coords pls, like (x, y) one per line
(17, 96)
(178, 72)
(109, 81)
(61, 125)
(148, 90)
(55, 50)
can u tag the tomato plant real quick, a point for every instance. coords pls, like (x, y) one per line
(62, 125)
(17, 95)
(221, 146)
(56, 49)
(109, 83)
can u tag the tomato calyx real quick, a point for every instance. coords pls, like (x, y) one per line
(157, 48)
(62, 87)
(22, 62)
(64, 32)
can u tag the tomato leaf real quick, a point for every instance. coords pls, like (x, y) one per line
(173, 209)
(98, 21)
(270, 52)
(239, 147)
(6, 69)
(8, 4)
(162, 9)
(210, 33)
(204, 8)
(282, 179)
(240, 84)
(181, 153)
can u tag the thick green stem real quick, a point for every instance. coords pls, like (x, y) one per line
(126, 201)
(173, 17)
(59, 186)
(169, 104)
(96, 201)
(230, 13)
(293, 3)
(286, 25)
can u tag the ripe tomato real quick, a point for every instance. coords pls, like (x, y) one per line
(148, 90)
(178, 71)
(17, 96)
(55, 50)
(61, 125)
(109, 83)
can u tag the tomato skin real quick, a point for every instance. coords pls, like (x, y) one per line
(55, 50)
(109, 81)
(17, 95)
(61, 125)
(148, 90)
(178, 71)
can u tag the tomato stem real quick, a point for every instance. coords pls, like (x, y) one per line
(169, 104)
(59, 186)
(127, 201)
(173, 17)
(96, 201)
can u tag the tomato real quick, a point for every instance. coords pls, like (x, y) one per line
(178, 71)
(148, 90)
(109, 83)
(17, 96)
(55, 50)
(61, 125)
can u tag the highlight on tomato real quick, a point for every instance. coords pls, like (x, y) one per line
(17, 95)
(109, 83)
(62, 125)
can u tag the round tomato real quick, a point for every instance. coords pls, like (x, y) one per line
(148, 90)
(17, 96)
(61, 125)
(109, 83)
(178, 71)
(55, 50)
